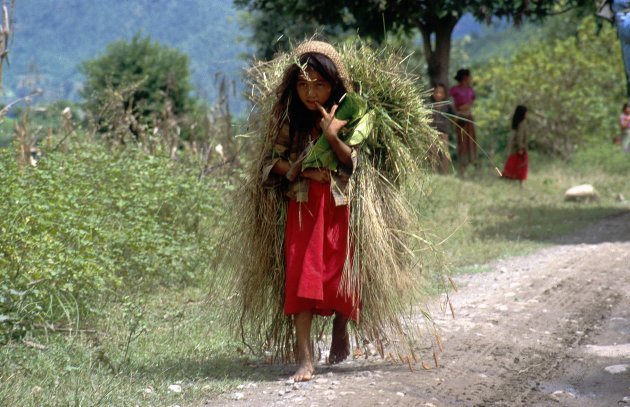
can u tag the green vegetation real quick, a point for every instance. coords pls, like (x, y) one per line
(485, 218)
(52, 38)
(151, 77)
(85, 224)
(180, 342)
(573, 96)
(434, 21)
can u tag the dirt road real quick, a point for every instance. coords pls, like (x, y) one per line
(548, 329)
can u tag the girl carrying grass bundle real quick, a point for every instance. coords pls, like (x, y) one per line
(322, 226)
(317, 239)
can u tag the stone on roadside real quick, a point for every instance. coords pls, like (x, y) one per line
(175, 388)
(557, 395)
(237, 396)
(617, 369)
(581, 193)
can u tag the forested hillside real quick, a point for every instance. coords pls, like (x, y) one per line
(53, 37)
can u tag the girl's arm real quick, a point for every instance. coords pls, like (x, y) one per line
(331, 126)
(341, 149)
(281, 167)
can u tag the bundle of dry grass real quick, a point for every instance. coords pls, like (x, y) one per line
(387, 270)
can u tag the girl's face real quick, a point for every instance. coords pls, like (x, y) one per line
(439, 94)
(626, 111)
(313, 89)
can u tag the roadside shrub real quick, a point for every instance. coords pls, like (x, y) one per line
(574, 88)
(90, 223)
(145, 79)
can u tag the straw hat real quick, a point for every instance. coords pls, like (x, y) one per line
(324, 48)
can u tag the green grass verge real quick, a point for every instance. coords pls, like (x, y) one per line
(482, 218)
(176, 339)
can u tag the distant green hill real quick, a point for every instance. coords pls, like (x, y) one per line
(53, 37)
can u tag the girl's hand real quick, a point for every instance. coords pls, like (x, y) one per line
(317, 174)
(330, 124)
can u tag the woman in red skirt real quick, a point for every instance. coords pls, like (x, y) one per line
(317, 240)
(517, 161)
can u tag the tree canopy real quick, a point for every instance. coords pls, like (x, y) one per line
(434, 19)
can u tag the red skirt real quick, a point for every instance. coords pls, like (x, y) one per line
(316, 242)
(516, 167)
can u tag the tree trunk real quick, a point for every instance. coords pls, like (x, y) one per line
(436, 39)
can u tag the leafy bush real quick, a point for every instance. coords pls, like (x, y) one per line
(89, 223)
(152, 78)
(573, 86)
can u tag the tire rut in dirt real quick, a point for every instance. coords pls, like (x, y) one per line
(560, 315)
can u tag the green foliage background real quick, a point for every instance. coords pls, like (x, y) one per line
(53, 37)
(83, 225)
(572, 85)
(158, 73)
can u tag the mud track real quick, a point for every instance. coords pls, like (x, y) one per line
(548, 329)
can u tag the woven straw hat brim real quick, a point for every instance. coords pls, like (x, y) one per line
(326, 49)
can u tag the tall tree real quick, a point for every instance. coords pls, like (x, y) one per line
(434, 19)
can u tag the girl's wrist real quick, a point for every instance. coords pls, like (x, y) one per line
(333, 138)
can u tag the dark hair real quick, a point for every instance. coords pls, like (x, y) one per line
(462, 74)
(440, 85)
(519, 116)
(288, 105)
(625, 106)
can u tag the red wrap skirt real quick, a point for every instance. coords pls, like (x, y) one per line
(316, 242)
(516, 167)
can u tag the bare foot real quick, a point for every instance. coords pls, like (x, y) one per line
(304, 372)
(340, 346)
(305, 369)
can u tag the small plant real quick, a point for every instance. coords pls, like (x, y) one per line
(133, 314)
